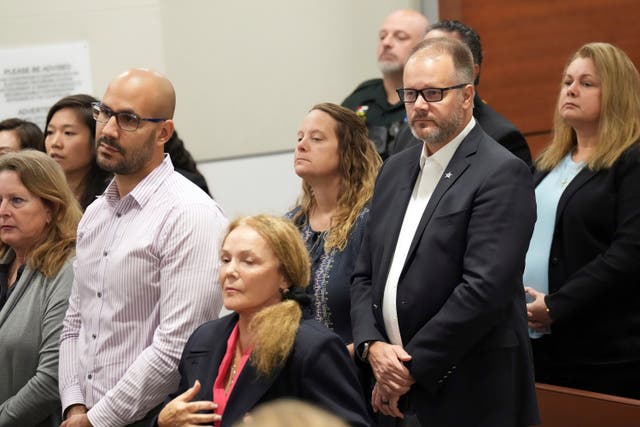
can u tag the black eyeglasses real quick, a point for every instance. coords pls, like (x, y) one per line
(125, 120)
(430, 94)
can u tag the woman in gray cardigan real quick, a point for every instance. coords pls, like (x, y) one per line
(38, 221)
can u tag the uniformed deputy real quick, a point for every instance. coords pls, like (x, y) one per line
(376, 100)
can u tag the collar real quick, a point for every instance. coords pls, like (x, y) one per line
(443, 156)
(143, 191)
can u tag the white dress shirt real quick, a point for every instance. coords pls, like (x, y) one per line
(145, 277)
(431, 171)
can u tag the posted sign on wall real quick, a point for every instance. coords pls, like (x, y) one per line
(34, 78)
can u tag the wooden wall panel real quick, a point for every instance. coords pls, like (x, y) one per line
(526, 44)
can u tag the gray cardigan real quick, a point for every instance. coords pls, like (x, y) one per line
(30, 325)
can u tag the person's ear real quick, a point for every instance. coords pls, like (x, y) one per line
(166, 130)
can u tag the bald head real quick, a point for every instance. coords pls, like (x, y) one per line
(398, 34)
(154, 91)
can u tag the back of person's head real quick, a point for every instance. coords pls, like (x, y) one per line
(183, 162)
(467, 35)
(358, 166)
(619, 122)
(44, 178)
(275, 326)
(29, 134)
(290, 413)
(458, 51)
(180, 156)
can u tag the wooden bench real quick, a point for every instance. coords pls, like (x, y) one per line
(569, 407)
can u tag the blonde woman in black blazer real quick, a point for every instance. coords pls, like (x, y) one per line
(590, 316)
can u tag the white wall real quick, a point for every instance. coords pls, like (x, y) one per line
(246, 72)
(260, 184)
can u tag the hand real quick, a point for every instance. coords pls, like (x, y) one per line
(75, 409)
(76, 420)
(385, 402)
(386, 360)
(182, 412)
(537, 311)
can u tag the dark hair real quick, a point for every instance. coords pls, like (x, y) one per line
(97, 178)
(468, 36)
(183, 161)
(29, 133)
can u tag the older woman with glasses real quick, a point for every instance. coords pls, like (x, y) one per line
(38, 220)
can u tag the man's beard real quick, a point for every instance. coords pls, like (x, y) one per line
(390, 67)
(132, 160)
(445, 130)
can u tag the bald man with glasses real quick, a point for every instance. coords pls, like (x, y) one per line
(146, 265)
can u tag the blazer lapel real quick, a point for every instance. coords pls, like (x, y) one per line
(581, 179)
(246, 393)
(205, 357)
(454, 170)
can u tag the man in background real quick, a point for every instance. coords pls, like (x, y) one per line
(376, 100)
(492, 122)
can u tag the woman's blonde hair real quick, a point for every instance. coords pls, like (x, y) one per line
(275, 327)
(43, 177)
(619, 126)
(358, 167)
(290, 413)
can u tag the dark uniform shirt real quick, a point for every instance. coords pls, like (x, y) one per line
(369, 100)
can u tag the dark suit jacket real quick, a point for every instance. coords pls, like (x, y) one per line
(594, 268)
(318, 370)
(460, 299)
(492, 122)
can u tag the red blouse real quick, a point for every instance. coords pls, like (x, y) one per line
(219, 395)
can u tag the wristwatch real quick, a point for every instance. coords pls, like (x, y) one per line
(364, 353)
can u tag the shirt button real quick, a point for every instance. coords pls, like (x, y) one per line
(105, 253)
(99, 294)
(118, 215)
(89, 376)
(94, 336)
(555, 260)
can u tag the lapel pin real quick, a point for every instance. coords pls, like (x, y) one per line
(448, 175)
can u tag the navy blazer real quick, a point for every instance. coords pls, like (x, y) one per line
(594, 268)
(318, 370)
(492, 122)
(460, 298)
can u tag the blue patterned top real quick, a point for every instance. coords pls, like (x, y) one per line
(331, 274)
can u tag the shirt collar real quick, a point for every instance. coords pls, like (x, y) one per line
(142, 192)
(444, 155)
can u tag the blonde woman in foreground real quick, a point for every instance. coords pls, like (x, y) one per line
(264, 351)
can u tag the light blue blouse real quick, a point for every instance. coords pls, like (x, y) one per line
(548, 193)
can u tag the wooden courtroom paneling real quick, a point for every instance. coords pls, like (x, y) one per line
(568, 407)
(526, 44)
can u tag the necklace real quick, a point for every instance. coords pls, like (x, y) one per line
(568, 170)
(237, 357)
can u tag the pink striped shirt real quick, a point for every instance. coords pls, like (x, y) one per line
(146, 274)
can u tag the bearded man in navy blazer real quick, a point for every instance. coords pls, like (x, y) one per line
(438, 308)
